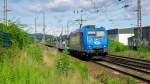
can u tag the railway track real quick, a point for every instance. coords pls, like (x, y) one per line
(131, 66)
(134, 67)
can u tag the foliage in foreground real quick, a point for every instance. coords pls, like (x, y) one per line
(19, 68)
(23, 67)
(23, 62)
(63, 63)
(65, 67)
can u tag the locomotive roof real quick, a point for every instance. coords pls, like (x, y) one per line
(82, 29)
(89, 26)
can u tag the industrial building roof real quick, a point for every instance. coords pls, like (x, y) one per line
(121, 31)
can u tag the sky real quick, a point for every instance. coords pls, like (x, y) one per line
(107, 13)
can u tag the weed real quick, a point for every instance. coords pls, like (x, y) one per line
(81, 68)
(131, 80)
(107, 79)
(103, 77)
(35, 51)
(115, 81)
(144, 49)
(63, 63)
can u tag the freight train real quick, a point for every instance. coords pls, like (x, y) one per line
(88, 41)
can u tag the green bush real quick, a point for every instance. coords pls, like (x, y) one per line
(18, 37)
(63, 63)
(114, 46)
(144, 49)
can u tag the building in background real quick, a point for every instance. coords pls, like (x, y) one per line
(145, 36)
(121, 35)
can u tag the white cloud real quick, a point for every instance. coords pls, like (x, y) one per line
(14, 1)
(52, 5)
(107, 9)
(36, 8)
(60, 5)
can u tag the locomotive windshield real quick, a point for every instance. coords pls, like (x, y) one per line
(96, 34)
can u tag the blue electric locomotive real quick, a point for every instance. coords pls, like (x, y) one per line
(89, 41)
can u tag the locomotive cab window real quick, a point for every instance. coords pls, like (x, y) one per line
(91, 34)
(100, 34)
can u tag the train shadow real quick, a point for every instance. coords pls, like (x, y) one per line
(86, 58)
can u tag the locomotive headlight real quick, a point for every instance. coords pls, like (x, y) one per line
(105, 46)
(90, 46)
(97, 42)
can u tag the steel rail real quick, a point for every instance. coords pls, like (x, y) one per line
(129, 66)
(122, 66)
(136, 74)
(137, 68)
(132, 58)
(133, 62)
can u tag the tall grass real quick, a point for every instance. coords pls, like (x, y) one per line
(35, 51)
(144, 50)
(19, 68)
(69, 70)
(117, 48)
(21, 63)
(114, 46)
